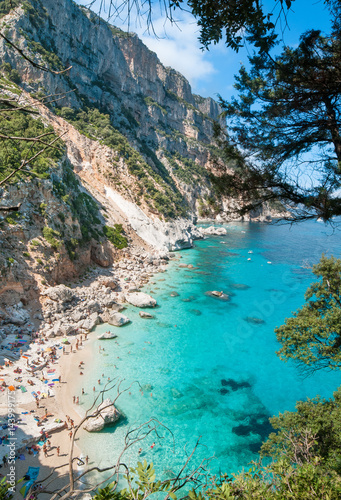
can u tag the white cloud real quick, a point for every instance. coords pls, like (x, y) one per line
(177, 46)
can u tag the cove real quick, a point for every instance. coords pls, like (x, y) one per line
(208, 367)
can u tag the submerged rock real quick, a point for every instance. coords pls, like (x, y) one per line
(140, 299)
(240, 286)
(174, 294)
(196, 312)
(253, 320)
(143, 314)
(106, 414)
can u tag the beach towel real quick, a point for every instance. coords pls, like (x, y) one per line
(50, 371)
(51, 385)
(31, 475)
(55, 380)
(23, 389)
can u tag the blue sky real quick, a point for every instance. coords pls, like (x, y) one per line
(212, 72)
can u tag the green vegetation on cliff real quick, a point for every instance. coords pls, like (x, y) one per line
(156, 185)
(114, 235)
(16, 146)
(7, 5)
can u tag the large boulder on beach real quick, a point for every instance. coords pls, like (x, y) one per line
(140, 299)
(109, 282)
(17, 315)
(90, 323)
(105, 414)
(115, 318)
(59, 293)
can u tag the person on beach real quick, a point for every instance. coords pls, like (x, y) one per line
(70, 434)
(86, 460)
(58, 451)
(99, 382)
(74, 399)
(77, 401)
(82, 392)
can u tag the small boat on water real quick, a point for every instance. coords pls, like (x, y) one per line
(107, 335)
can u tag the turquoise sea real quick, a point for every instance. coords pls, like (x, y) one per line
(207, 367)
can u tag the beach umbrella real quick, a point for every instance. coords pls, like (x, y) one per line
(11, 387)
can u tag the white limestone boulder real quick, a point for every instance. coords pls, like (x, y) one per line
(115, 318)
(216, 231)
(106, 414)
(59, 293)
(90, 323)
(140, 299)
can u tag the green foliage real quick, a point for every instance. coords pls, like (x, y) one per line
(42, 208)
(83, 207)
(186, 169)
(13, 151)
(40, 261)
(149, 101)
(311, 432)
(10, 260)
(12, 74)
(120, 33)
(114, 235)
(312, 337)
(71, 246)
(7, 5)
(5, 493)
(52, 237)
(278, 481)
(13, 218)
(26, 254)
(47, 55)
(108, 493)
(287, 114)
(35, 243)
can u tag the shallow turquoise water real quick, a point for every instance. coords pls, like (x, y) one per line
(205, 370)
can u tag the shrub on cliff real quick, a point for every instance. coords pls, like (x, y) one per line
(114, 235)
(51, 236)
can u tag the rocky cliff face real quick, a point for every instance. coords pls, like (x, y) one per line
(134, 158)
(113, 71)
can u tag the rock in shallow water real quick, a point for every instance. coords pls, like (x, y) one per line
(145, 315)
(115, 318)
(108, 414)
(140, 299)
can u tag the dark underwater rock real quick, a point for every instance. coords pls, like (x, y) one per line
(254, 321)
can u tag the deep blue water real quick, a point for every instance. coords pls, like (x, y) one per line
(208, 367)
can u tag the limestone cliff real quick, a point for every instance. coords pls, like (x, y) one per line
(135, 151)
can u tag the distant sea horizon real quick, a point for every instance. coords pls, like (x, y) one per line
(207, 367)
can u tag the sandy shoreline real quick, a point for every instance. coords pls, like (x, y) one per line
(55, 400)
